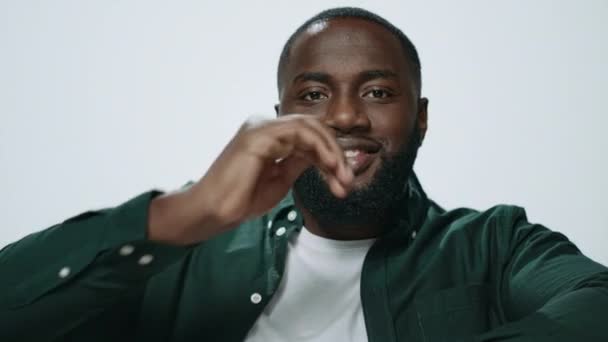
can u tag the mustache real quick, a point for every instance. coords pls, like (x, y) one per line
(359, 140)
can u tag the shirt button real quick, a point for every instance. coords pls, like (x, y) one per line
(126, 250)
(292, 215)
(281, 231)
(256, 298)
(64, 272)
(145, 259)
(269, 224)
(413, 234)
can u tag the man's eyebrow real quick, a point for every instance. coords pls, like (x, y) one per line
(364, 76)
(375, 74)
(320, 77)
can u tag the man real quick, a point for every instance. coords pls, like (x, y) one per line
(355, 252)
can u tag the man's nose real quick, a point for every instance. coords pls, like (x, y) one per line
(346, 114)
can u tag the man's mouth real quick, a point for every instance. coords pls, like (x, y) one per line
(359, 160)
(359, 153)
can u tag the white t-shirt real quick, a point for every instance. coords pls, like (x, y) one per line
(319, 296)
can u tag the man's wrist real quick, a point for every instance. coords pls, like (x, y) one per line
(174, 219)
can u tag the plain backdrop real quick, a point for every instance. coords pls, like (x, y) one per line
(102, 100)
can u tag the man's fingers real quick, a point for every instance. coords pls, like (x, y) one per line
(311, 136)
(305, 135)
(344, 172)
(302, 139)
(307, 139)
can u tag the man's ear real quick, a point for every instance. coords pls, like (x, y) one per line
(423, 117)
(276, 110)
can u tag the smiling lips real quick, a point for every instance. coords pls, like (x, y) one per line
(359, 152)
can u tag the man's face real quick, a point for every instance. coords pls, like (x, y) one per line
(355, 76)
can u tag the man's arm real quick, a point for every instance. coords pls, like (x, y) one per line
(551, 292)
(56, 279)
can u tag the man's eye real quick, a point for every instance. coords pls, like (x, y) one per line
(378, 94)
(313, 96)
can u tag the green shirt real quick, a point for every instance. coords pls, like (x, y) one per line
(459, 275)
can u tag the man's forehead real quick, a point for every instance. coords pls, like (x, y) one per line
(346, 41)
(346, 29)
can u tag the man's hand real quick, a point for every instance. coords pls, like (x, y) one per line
(251, 175)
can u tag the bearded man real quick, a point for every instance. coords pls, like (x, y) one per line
(308, 227)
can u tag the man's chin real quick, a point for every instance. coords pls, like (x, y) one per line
(361, 181)
(368, 198)
(365, 179)
(375, 192)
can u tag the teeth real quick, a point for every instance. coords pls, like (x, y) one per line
(351, 153)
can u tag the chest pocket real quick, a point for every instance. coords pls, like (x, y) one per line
(454, 314)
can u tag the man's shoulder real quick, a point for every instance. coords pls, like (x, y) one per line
(498, 214)
(496, 222)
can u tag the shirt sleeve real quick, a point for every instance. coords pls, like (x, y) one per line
(550, 290)
(57, 279)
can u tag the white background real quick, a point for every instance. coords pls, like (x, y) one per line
(102, 100)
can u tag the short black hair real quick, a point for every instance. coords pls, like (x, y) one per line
(359, 13)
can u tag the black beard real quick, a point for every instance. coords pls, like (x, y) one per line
(372, 204)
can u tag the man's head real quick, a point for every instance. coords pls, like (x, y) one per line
(361, 76)
(352, 12)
